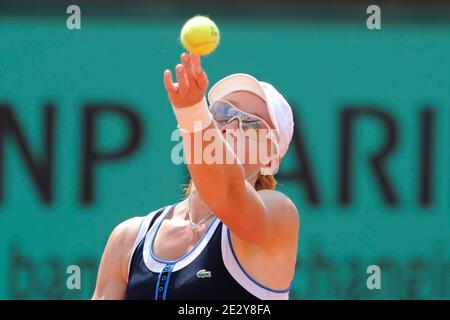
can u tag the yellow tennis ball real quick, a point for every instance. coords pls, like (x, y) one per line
(200, 35)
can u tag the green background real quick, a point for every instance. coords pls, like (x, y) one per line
(319, 65)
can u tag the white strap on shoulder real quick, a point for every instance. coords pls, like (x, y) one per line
(143, 228)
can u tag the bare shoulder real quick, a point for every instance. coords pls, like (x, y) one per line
(112, 274)
(284, 217)
(121, 241)
(127, 230)
(279, 204)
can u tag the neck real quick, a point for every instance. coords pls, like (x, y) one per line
(253, 178)
(198, 208)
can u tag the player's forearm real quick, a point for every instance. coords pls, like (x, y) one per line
(218, 176)
(212, 163)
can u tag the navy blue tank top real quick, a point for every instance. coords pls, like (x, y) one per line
(210, 271)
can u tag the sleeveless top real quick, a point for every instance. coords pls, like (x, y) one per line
(210, 271)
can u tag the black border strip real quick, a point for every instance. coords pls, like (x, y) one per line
(400, 11)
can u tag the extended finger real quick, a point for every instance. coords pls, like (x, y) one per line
(200, 74)
(181, 79)
(196, 63)
(168, 83)
(192, 80)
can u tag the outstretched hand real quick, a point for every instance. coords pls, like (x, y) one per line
(191, 84)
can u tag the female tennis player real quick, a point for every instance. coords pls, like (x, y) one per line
(233, 236)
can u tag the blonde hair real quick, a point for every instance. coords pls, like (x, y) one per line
(263, 182)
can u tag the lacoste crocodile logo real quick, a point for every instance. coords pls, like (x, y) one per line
(203, 274)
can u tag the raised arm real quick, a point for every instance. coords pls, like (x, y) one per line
(252, 216)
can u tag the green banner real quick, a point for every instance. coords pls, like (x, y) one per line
(85, 128)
